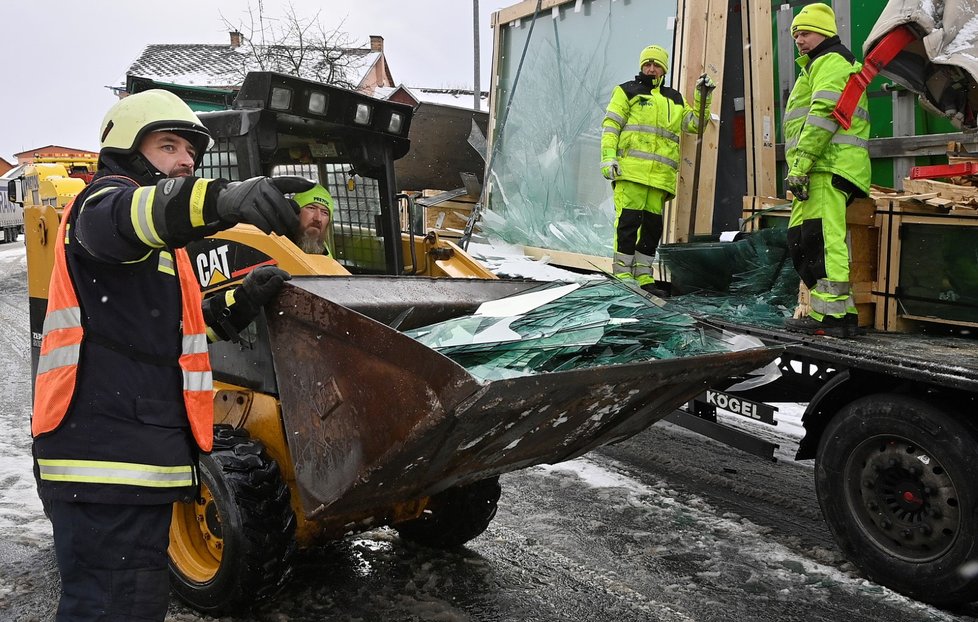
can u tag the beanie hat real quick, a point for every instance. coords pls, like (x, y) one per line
(316, 194)
(656, 54)
(818, 18)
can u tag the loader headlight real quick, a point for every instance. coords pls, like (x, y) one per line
(317, 103)
(397, 121)
(281, 98)
(363, 115)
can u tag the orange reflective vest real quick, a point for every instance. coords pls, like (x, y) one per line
(63, 334)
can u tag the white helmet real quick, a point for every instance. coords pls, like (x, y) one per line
(156, 110)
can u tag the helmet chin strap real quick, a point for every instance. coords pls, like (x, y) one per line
(143, 169)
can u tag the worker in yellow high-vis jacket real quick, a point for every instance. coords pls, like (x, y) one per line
(640, 156)
(829, 166)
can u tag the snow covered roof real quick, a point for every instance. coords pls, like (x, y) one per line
(218, 65)
(459, 98)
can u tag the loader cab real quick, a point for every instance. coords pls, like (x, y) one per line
(283, 125)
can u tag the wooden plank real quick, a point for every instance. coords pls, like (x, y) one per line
(714, 62)
(754, 206)
(524, 9)
(888, 266)
(965, 195)
(759, 98)
(687, 11)
(570, 260)
(702, 51)
(494, 88)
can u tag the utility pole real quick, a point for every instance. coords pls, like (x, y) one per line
(476, 91)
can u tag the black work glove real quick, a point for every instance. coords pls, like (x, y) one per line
(261, 285)
(260, 201)
(229, 317)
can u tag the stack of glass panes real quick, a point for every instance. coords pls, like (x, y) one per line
(568, 326)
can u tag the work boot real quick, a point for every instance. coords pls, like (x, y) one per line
(843, 327)
(650, 288)
(852, 323)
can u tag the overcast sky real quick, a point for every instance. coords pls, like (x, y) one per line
(60, 55)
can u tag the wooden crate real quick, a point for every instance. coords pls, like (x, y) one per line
(919, 280)
(760, 212)
(449, 218)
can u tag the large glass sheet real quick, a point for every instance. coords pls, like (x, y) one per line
(547, 186)
(939, 272)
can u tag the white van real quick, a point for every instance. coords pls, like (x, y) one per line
(11, 214)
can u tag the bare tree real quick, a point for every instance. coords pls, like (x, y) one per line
(297, 46)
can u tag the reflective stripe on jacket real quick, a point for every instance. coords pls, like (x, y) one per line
(63, 335)
(810, 131)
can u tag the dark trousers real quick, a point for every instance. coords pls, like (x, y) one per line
(112, 561)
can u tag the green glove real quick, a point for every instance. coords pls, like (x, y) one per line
(797, 179)
(798, 185)
(705, 83)
(611, 169)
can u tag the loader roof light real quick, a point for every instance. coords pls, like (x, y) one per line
(396, 122)
(281, 98)
(317, 102)
(363, 115)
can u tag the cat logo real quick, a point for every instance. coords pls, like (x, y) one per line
(212, 266)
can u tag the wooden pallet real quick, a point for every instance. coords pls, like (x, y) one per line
(941, 194)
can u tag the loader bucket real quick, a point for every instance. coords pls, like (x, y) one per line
(374, 418)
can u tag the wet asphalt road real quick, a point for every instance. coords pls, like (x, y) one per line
(633, 533)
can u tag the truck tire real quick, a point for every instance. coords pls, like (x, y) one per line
(895, 481)
(236, 544)
(454, 516)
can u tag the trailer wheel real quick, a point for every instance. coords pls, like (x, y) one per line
(234, 545)
(896, 484)
(454, 516)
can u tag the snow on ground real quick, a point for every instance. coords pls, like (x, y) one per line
(715, 530)
(21, 517)
(508, 261)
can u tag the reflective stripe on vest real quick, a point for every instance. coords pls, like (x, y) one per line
(126, 473)
(63, 334)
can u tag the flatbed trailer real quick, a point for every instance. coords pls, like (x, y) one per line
(892, 423)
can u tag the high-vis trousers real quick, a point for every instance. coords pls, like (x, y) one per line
(638, 228)
(819, 246)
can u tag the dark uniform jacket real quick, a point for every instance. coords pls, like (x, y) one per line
(128, 404)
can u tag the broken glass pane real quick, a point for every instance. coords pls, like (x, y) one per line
(749, 281)
(598, 322)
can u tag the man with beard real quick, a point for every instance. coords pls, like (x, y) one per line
(315, 216)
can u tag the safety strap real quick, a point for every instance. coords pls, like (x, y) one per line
(129, 351)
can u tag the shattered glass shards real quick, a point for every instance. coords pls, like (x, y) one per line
(748, 281)
(601, 322)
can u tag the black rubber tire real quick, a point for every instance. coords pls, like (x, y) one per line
(249, 510)
(895, 480)
(454, 516)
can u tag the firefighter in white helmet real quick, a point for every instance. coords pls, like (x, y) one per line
(123, 400)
